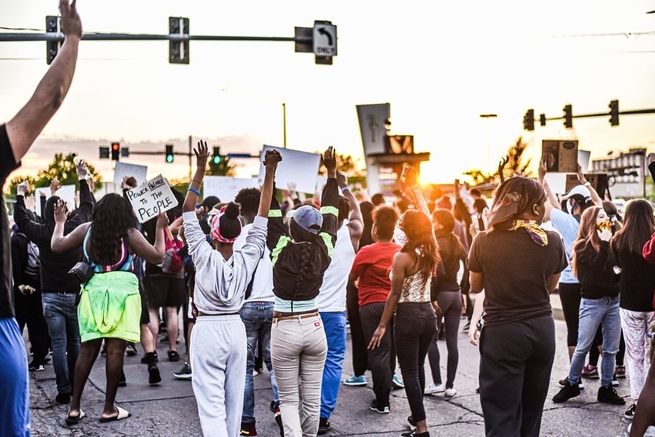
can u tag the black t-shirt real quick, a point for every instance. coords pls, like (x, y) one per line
(516, 272)
(7, 165)
(637, 281)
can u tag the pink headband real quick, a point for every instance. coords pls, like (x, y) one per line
(216, 228)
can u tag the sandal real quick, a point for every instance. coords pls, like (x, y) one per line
(121, 414)
(173, 356)
(73, 420)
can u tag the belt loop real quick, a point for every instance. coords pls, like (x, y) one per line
(300, 319)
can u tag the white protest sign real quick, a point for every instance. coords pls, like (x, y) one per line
(556, 182)
(138, 172)
(583, 159)
(225, 187)
(150, 198)
(296, 166)
(65, 192)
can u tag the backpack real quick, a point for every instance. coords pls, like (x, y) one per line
(33, 268)
(173, 262)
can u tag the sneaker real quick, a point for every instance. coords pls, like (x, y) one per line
(615, 381)
(323, 426)
(278, 420)
(248, 429)
(567, 392)
(562, 382)
(466, 327)
(619, 372)
(450, 392)
(380, 407)
(131, 350)
(414, 434)
(145, 360)
(590, 372)
(630, 413)
(36, 366)
(397, 383)
(433, 389)
(154, 377)
(411, 423)
(185, 373)
(356, 381)
(122, 382)
(608, 395)
(275, 406)
(63, 398)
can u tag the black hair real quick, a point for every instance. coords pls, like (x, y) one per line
(377, 199)
(475, 192)
(210, 201)
(344, 209)
(229, 222)
(367, 216)
(248, 198)
(112, 220)
(385, 218)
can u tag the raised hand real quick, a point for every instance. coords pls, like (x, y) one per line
(162, 220)
(330, 159)
(22, 188)
(411, 176)
(202, 154)
(342, 179)
(60, 211)
(54, 186)
(271, 159)
(71, 25)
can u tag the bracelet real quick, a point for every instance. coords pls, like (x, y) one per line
(194, 191)
(344, 189)
(197, 182)
(587, 184)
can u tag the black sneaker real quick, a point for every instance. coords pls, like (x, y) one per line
(184, 373)
(36, 366)
(382, 408)
(154, 377)
(567, 392)
(615, 381)
(130, 350)
(414, 434)
(411, 423)
(323, 426)
(630, 414)
(122, 382)
(275, 406)
(608, 395)
(278, 420)
(563, 381)
(146, 360)
(63, 398)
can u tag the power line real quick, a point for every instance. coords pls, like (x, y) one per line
(605, 34)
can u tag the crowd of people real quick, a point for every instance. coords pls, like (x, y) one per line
(259, 280)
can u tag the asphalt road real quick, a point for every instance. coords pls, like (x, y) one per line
(169, 409)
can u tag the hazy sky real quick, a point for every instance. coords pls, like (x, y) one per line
(439, 64)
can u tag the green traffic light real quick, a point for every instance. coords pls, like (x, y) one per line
(217, 159)
(169, 158)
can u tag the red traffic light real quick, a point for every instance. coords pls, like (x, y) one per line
(115, 147)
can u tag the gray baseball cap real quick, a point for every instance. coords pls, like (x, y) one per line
(308, 218)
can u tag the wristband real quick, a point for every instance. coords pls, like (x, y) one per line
(194, 191)
(587, 184)
(344, 189)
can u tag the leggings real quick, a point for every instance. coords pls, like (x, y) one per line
(569, 295)
(451, 305)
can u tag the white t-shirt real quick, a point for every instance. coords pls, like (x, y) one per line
(332, 294)
(262, 286)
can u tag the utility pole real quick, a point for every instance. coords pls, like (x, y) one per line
(190, 157)
(284, 125)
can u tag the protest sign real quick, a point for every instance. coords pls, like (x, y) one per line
(150, 198)
(65, 193)
(296, 166)
(225, 187)
(560, 155)
(138, 172)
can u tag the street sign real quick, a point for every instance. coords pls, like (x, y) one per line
(324, 37)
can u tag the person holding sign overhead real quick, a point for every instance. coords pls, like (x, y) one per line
(218, 339)
(109, 305)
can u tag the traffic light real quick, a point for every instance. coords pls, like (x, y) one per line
(217, 155)
(104, 152)
(52, 47)
(169, 153)
(528, 120)
(178, 51)
(568, 116)
(614, 113)
(542, 119)
(115, 151)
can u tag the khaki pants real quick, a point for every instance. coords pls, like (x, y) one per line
(298, 349)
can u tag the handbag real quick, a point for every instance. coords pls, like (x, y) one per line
(82, 272)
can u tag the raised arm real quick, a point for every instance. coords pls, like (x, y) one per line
(355, 220)
(153, 253)
(411, 179)
(28, 123)
(202, 155)
(270, 164)
(552, 201)
(594, 195)
(60, 243)
(330, 197)
(27, 226)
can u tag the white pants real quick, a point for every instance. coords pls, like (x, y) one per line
(636, 325)
(218, 351)
(299, 347)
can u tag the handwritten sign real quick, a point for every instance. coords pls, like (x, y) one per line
(225, 187)
(65, 193)
(138, 172)
(150, 198)
(560, 155)
(296, 166)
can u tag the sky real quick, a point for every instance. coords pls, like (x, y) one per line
(439, 64)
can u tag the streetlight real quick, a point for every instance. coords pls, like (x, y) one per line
(487, 117)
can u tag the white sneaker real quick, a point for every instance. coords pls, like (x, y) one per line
(450, 392)
(433, 389)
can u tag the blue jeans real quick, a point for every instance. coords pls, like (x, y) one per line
(60, 312)
(594, 313)
(334, 324)
(14, 389)
(257, 318)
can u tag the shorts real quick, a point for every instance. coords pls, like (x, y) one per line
(165, 291)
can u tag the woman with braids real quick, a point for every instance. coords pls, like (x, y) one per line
(110, 305)
(218, 340)
(298, 343)
(518, 264)
(415, 321)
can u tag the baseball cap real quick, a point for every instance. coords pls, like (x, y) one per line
(580, 190)
(308, 218)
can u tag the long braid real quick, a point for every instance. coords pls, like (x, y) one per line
(304, 264)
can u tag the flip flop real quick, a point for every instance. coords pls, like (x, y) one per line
(73, 420)
(122, 414)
